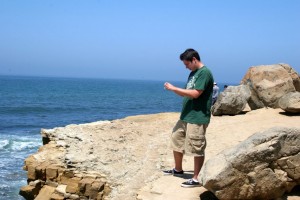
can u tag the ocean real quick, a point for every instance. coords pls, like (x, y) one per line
(28, 104)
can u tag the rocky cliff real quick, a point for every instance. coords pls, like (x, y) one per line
(100, 160)
(123, 159)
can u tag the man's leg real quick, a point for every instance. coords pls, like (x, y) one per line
(196, 145)
(177, 144)
(198, 162)
(178, 160)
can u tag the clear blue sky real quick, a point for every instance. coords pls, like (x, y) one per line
(142, 39)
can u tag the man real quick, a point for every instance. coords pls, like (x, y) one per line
(188, 136)
(215, 93)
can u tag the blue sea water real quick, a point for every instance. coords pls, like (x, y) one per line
(28, 104)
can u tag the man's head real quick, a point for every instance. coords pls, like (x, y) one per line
(191, 59)
(189, 54)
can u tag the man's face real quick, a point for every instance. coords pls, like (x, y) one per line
(191, 65)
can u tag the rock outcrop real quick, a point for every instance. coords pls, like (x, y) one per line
(262, 86)
(100, 160)
(268, 83)
(293, 74)
(264, 166)
(50, 177)
(123, 159)
(232, 101)
(290, 102)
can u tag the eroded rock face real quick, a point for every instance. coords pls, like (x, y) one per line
(50, 177)
(290, 102)
(48, 180)
(264, 166)
(100, 160)
(293, 74)
(232, 101)
(268, 83)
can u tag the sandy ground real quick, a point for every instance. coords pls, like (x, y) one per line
(223, 132)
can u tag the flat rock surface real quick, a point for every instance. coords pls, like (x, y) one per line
(131, 152)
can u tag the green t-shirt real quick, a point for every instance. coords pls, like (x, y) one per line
(197, 111)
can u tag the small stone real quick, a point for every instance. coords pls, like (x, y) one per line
(61, 189)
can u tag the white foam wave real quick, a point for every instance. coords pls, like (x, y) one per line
(21, 145)
(4, 143)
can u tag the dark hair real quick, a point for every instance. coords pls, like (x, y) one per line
(189, 54)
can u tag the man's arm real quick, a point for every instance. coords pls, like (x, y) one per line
(194, 94)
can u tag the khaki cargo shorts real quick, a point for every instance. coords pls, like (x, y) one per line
(189, 138)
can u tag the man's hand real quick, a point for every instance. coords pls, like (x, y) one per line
(191, 93)
(169, 86)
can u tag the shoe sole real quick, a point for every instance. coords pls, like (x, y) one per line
(190, 186)
(167, 174)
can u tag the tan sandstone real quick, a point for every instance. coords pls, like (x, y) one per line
(123, 159)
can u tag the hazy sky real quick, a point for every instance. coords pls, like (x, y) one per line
(142, 39)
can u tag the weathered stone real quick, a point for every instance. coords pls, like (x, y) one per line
(74, 196)
(73, 185)
(45, 193)
(120, 150)
(56, 196)
(98, 185)
(85, 185)
(293, 74)
(51, 172)
(264, 166)
(291, 165)
(95, 192)
(66, 177)
(64, 180)
(68, 173)
(30, 161)
(290, 102)
(29, 192)
(232, 101)
(270, 83)
(100, 195)
(254, 102)
(51, 183)
(40, 171)
(36, 183)
(31, 174)
(61, 189)
(67, 195)
(93, 176)
(45, 137)
(83, 198)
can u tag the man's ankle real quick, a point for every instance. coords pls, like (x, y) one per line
(194, 179)
(177, 170)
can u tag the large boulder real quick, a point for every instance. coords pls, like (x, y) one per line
(290, 102)
(232, 101)
(264, 166)
(268, 83)
(293, 74)
(254, 102)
